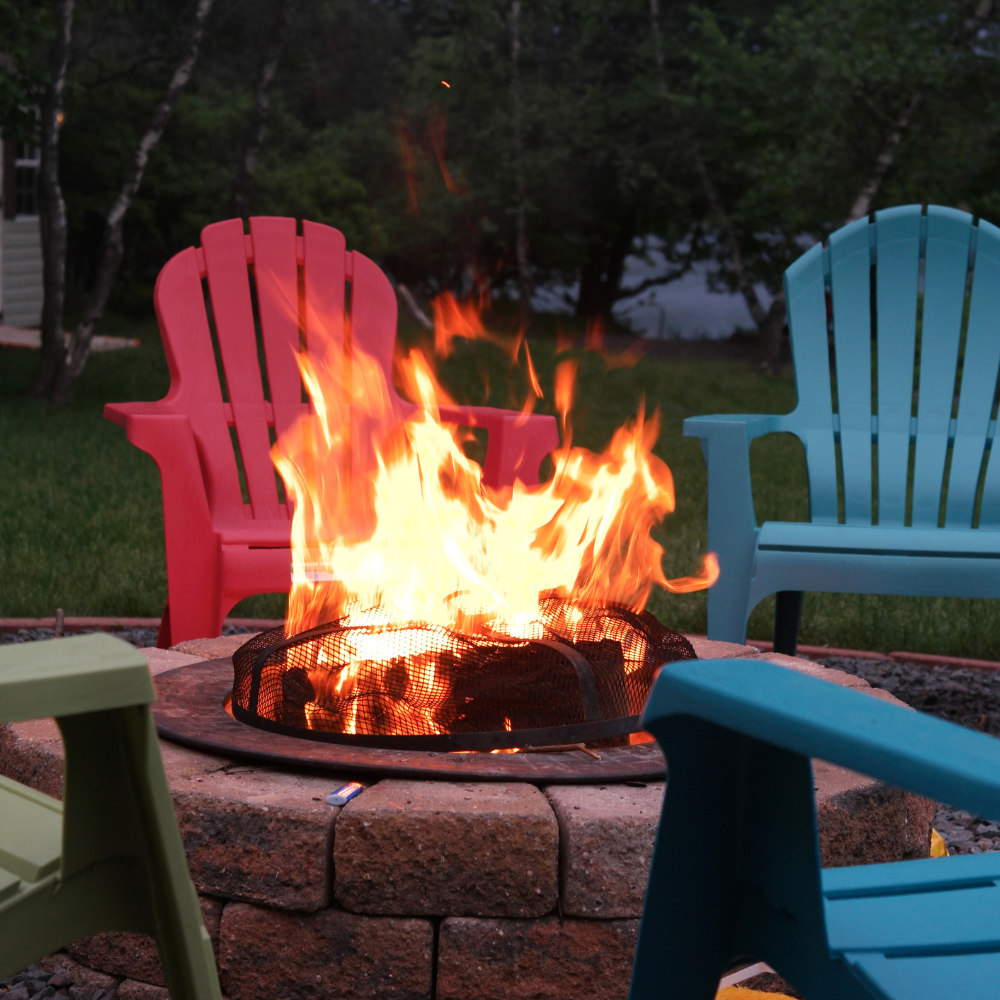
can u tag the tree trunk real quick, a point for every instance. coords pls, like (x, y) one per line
(521, 234)
(52, 206)
(601, 274)
(113, 248)
(262, 102)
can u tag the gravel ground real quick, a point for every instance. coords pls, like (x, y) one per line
(970, 698)
(40, 985)
(140, 637)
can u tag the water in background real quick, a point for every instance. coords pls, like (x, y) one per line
(683, 309)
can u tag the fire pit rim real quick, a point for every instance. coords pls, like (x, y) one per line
(190, 711)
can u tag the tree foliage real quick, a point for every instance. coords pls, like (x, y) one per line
(394, 120)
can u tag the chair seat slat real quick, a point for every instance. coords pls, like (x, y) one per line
(956, 917)
(868, 539)
(31, 825)
(966, 975)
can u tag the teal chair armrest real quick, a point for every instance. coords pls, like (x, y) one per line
(64, 677)
(725, 443)
(732, 524)
(814, 718)
(755, 425)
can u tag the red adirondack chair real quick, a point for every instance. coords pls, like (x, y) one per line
(221, 548)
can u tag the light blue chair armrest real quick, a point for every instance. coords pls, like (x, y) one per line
(732, 526)
(725, 442)
(814, 718)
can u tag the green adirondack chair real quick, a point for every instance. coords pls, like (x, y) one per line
(109, 856)
(736, 867)
(914, 528)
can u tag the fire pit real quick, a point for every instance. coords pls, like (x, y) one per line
(434, 611)
(584, 676)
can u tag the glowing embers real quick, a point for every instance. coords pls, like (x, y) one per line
(580, 673)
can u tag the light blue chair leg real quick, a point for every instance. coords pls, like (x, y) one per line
(732, 527)
(727, 603)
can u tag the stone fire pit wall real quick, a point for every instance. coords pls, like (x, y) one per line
(421, 889)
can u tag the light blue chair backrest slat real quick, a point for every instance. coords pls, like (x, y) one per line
(897, 232)
(989, 512)
(979, 380)
(945, 275)
(850, 286)
(898, 242)
(805, 295)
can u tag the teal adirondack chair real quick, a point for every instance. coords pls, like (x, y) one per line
(933, 535)
(109, 856)
(736, 868)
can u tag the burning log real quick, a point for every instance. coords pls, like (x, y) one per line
(458, 690)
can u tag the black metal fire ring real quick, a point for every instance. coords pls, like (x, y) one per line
(191, 711)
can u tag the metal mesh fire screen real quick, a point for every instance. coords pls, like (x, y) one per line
(584, 675)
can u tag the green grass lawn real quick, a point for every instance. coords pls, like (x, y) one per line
(80, 511)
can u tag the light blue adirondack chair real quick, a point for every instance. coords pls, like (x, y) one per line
(739, 736)
(914, 528)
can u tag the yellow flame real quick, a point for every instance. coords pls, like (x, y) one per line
(392, 523)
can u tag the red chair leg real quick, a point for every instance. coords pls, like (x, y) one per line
(163, 640)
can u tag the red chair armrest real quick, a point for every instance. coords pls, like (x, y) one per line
(118, 413)
(517, 441)
(169, 439)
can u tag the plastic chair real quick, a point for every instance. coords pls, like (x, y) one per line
(109, 856)
(736, 867)
(935, 535)
(220, 547)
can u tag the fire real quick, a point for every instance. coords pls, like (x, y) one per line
(393, 526)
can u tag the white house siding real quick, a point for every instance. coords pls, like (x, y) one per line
(21, 282)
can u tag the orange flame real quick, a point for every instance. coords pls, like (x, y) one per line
(565, 380)
(409, 161)
(438, 128)
(393, 525)
(455, 319)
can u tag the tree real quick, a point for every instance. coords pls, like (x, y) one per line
(808, 106)
(64, 378)
(52, 205)
(270, 58)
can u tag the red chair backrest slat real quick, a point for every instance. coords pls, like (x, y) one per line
(276, 255)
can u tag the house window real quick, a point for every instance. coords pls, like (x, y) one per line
(26, 164)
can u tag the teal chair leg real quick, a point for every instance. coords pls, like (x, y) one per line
(732, 527)
(727, 605)
(738, 816)
(693, 900)
(787, 617)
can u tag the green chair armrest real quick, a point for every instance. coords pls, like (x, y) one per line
(814, 718)
(61, 677)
